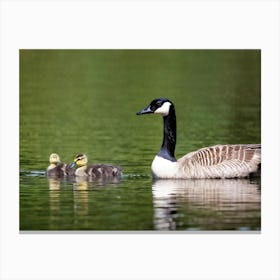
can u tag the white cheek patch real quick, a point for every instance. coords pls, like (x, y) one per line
(164, 109)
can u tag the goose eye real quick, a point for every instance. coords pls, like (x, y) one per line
(158, 103)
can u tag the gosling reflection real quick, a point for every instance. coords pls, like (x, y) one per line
(81, 201)
(54, 200)
(82, 188)
(80, 184)
(54, 184)
(206, 204)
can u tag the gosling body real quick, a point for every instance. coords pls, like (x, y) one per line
(219, 161)
(94, 170)
(57, 168)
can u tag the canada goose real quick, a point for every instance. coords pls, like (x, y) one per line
(220, 161)
(96, 170)
(57, 168)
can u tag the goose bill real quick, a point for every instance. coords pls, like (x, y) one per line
(146, 110)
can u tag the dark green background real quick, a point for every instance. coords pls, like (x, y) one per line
(84, 101)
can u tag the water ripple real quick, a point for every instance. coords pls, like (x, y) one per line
(32, 173)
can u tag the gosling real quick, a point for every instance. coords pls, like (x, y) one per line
(94, 170)
(57, 168)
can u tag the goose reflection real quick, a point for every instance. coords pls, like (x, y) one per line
(206, 204)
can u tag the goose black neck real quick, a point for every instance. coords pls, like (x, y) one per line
(169, 135)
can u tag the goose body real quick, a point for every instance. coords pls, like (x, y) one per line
(94, 170)
(57, 168)
(219, 161)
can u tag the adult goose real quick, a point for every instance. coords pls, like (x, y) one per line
(219, 161)
(57, 168)
(94, 170)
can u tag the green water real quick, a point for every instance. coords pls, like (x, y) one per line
(84, 101)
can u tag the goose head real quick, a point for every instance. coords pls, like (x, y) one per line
(159, 106)
(79, 160)
(54, 159)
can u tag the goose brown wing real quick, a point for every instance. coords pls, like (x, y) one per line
(225, 156)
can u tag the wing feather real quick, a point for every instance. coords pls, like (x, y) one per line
(222, 161)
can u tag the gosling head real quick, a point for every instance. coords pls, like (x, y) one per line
(79, 160)
(159, 106)
(54, 159)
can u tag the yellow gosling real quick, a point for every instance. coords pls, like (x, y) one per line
(94, 170)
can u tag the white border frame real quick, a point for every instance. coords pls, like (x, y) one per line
(134, 24)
